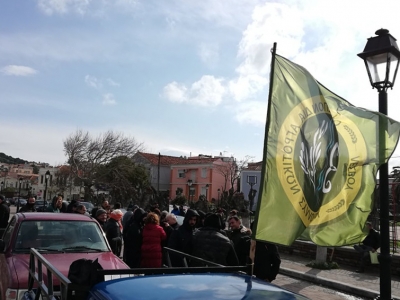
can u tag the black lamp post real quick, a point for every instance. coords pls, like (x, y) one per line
(1, 184)
(189, 183)
(19, 193)
(207, 186)
(381, 57)
(46, 180)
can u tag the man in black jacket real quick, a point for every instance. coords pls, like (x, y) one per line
(4, 215)
(211, 243)
(181, 239)
(29, 206)
(372, 242)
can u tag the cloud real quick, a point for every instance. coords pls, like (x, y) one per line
(83, 7)
(51, 7)
(208, 91)
(209, 54)
(14, 70)
(108, 99)
(251, 112)
(93, 82)
(112, 82)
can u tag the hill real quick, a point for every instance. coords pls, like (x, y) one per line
(11, 160)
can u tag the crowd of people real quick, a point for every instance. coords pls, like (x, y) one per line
(144, 233)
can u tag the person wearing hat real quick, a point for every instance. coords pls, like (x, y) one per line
(372, 242)
(4, 214)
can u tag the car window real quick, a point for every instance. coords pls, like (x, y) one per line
(9, 230)
(60, 235)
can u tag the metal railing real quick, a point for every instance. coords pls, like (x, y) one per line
(67, 290)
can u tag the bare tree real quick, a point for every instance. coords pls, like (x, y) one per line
(86, 153)
(230, 171)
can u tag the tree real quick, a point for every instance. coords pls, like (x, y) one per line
(124, 179)
(231, 173)
(87, 154)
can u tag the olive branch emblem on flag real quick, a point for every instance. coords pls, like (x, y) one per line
(311, 154)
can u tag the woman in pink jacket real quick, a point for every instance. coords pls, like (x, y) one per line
(153, 234)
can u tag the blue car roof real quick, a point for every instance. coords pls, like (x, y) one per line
(190, 286)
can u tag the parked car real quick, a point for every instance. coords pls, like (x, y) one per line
(41, 205)
(209, 282)
(60, 238)
(89, 206)
(21, 202)
(190, 286)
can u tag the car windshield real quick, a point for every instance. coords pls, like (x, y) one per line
(68, 236)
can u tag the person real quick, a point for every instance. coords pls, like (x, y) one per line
(117, 205)
(240, 236)
(153, 235)
(181, 239)
(128, 215)
(81, 209)
(133, 238)
(372, 242)
(130, 206)
(4, 215)
(267, 260)
(106, 206)
(29, 206)
(113, 230)
(64, 207)
(71, 208)
(170, 223)
(175, 210)
(211, 244)
(200, 219)
(101, 217)
(56, 205)
(29, 236)
(182, 211)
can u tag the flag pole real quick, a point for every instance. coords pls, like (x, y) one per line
(267, 124)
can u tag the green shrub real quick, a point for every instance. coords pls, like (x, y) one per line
(323, 265)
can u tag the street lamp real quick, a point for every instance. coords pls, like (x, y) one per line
(207, 186)
(219, 191)
(189, 183)
(381, 57)
(251, 180)
(1, 184)
(19, 193)
(46, 180)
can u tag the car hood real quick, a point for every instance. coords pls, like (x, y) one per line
(191, 286)
(62, 262)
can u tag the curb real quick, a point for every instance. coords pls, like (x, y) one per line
(333, 284)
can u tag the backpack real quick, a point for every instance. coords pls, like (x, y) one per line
(84, 272)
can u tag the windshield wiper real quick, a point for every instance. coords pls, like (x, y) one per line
(39, 249)
(83, 248)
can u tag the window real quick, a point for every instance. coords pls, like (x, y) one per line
(181, 173)
(204, 173)
(8, 232)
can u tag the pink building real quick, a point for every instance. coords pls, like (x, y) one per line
(201, 175)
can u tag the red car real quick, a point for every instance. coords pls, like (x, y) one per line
(60, 238)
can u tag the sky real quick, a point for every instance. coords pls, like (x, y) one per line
(181, 77)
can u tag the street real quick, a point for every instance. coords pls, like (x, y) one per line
(310, 290)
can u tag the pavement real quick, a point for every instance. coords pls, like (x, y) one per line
(345, 279)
